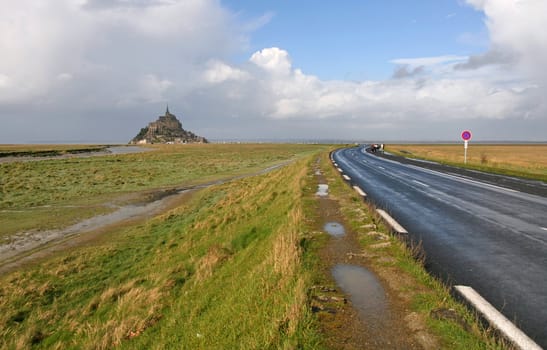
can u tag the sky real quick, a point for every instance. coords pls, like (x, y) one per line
(97, 71)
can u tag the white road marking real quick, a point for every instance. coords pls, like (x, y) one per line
(391, 222)
(340, 170)
(454, 176)
(460, 178)
(360, 191)
(497, 320)
(544, 228)
(347, 178)
(381, 167)
(423, 161)
(420, 183)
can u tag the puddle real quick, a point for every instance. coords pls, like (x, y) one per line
(128, 149)
(11, 247)
(29, 240)
(322, 190)
(334, 229)
(113, 150)
(366, 294)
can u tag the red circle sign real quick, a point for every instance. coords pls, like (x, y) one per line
(466, 135)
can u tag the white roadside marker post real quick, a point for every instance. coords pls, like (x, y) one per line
(466, 136)
(465, 151)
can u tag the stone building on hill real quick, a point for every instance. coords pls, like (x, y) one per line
(167, 129)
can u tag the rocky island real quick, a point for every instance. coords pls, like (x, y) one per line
(167, 129)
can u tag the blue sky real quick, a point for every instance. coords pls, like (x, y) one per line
(99, 70)
(355, 40)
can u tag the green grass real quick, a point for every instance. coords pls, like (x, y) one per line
(222, 271)
(76, 188)
(46, 150)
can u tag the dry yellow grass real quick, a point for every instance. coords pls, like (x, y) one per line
(529, 158)
(207, 264)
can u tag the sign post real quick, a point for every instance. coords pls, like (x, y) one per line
(466, 136)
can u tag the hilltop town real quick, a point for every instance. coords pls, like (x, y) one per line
(166, 129)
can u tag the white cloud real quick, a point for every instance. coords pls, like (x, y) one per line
(517, 29)
(4, 81)
(273, 59)
(64, 77)
(440, 95)
(165, 19)
(35, 39)
(428, 61)
(149, 89)
(123, 58)
(218, 72)
(106, 45)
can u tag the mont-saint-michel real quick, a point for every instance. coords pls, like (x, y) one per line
(166, 129)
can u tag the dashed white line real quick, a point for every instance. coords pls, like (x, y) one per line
(420, 183)
(347, 178)
(360, 191)
(506, 327)
(544, 228)
(391, 222)
(460, 178)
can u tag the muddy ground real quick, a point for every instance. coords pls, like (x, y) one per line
(49, 155)
(358, 308)
(26, 247)
(36, 246)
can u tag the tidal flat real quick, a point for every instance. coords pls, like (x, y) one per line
(56, 193)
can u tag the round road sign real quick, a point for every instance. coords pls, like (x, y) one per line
(466, 135)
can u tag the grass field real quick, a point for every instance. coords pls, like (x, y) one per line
(230, 268)
(46, 150)
(527, 160)
(222, 271)
(55, 193)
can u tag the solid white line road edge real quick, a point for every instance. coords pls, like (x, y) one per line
(360, 191)
(347, 178)
(391, 222)
(496, 319)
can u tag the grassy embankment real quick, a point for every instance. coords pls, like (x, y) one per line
(55, 193)
(528, 161)
(222, 271)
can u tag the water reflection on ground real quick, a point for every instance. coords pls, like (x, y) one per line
(366, 293)
(128, 149)
(334, 229)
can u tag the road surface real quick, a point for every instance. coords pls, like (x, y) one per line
(474, 233)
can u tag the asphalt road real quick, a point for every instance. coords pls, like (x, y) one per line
(473, 232)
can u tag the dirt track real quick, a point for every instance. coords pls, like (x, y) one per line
(351, 321)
